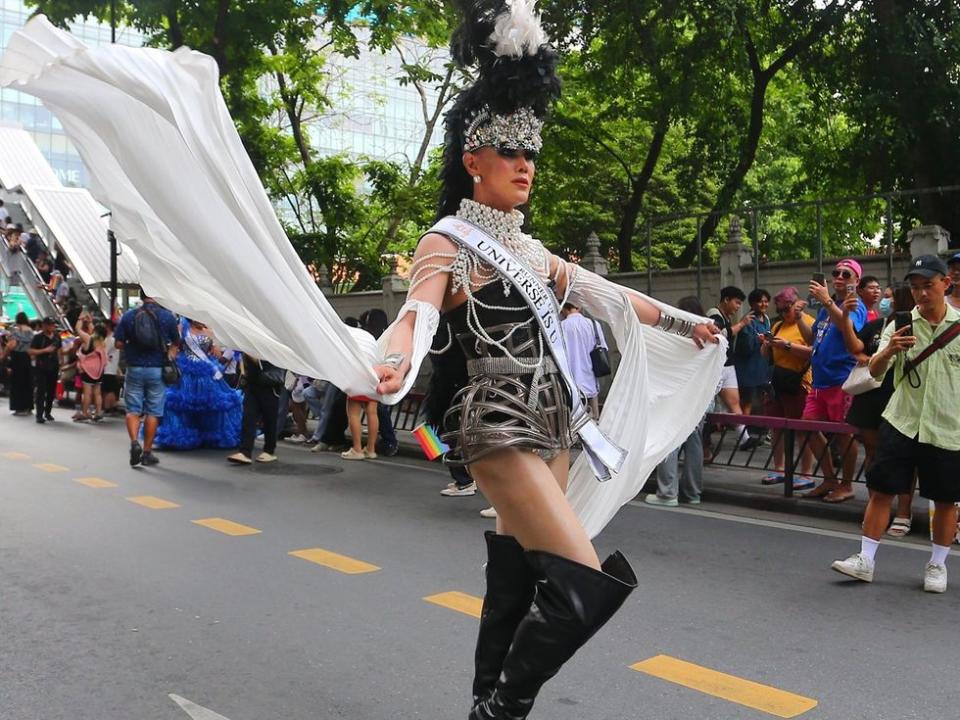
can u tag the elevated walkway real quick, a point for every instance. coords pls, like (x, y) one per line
(68, 220)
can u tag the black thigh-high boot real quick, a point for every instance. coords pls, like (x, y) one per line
(571, 603)
(510, 582)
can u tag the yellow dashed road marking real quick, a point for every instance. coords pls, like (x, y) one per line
(227, 527)
(15, 456)
(50, 467)
(154, 503)
(95, 482)
(729, 687)
(455, 600)
(342, 563)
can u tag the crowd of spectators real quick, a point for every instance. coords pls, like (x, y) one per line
(788, 356)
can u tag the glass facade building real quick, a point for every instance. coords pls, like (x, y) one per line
(374, 115)
(18, 108)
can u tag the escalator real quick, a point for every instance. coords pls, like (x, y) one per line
(22, 277)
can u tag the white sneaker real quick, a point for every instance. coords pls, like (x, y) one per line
(266, 457)
(489, 512)
(297, 439)
(453, 490)
(352, 454)
(935, 578)
(321, 447)
(857, 566)
(654, 499)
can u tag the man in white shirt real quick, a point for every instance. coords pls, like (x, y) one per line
(582, 334)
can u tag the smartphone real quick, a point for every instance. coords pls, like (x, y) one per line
(902, 320)
(820, 278)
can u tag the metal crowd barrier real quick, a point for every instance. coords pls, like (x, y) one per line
(760, 457)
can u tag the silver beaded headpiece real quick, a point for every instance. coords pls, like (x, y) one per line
(517, 131)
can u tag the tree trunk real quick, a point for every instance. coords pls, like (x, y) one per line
(748, 153)
(631, 211)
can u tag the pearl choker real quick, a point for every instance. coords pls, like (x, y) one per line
(504, 227)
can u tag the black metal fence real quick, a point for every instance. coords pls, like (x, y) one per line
(876, 209)
(796, 438)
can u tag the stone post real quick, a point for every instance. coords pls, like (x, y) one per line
(928, 240)
(592, 259)
(733, 256)
(394, 289)
(323, 281)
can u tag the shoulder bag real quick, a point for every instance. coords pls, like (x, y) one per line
(784, 380)
(169, 371)
(599, 356)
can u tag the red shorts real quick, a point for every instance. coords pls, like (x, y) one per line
(361, 399)
(827, 404)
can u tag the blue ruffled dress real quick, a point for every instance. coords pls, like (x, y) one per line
(202, 411)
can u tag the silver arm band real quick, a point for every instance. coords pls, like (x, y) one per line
(675, 325)
(394, 360)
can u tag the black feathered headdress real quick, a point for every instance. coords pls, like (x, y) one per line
(515, 85)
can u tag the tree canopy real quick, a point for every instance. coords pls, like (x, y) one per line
(669, 107)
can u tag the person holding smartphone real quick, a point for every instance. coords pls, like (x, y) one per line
(831, 363)
(920, 433)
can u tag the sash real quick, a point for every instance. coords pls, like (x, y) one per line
(604, 455)
(191, 340)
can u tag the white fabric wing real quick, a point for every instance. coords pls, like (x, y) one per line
(165, 157)
(661, 390)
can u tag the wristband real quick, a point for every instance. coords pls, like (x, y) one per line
(677, 326)
(394, 360)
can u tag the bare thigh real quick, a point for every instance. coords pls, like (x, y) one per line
(531, 504)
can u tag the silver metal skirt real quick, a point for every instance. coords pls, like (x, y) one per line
(507, 404)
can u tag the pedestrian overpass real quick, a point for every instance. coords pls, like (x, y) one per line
(68, 221)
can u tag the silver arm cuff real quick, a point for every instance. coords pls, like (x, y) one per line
(675, 325)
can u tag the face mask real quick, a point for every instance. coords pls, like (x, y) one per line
(886, 307)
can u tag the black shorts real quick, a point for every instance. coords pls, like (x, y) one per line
(898, 457)
(87, 380)
(111, 384)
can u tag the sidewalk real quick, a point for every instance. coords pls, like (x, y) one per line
(741, 487)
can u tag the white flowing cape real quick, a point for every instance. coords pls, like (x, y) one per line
(165, 157)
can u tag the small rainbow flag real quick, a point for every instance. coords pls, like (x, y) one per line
(433, 447)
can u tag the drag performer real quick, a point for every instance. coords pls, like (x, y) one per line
(202, 410)
(514, 420)
(186, 198)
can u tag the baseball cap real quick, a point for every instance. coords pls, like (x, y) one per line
(927, 266)
(49, 321)
(954, 259)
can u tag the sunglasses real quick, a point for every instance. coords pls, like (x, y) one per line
(845, 274)
(512, 153)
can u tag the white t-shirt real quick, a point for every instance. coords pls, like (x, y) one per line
(578, 331)
(113, 356)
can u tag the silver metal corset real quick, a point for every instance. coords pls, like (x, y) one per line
(508, 404)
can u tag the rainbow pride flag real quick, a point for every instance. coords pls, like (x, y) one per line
(433, 447)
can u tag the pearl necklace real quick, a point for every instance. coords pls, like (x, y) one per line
(505, 227)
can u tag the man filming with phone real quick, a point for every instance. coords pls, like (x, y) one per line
(921, 430)
(831, 363)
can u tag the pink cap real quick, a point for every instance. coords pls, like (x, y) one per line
(852, 265)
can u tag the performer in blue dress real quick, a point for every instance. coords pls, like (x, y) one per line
(202, 410)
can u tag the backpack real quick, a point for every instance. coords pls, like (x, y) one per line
(146, 330)
(92, 363)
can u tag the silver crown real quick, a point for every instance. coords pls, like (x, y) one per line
(518, 131)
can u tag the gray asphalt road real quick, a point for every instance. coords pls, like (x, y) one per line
(107, 607)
